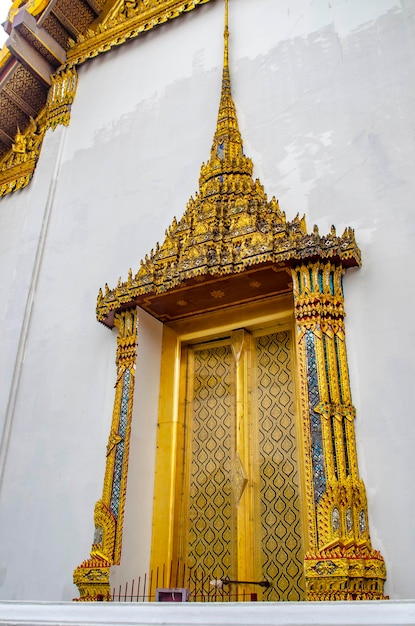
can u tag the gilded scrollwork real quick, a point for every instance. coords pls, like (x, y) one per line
(125, 21)
(92, 578)
(342, 575)
(34, 7)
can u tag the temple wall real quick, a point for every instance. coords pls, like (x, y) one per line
(324, 93)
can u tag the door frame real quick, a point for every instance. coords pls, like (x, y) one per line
(275, 314)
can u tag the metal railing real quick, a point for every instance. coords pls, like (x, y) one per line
(203, 586)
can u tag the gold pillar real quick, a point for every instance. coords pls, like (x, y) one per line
(92, 576)
(340, 563)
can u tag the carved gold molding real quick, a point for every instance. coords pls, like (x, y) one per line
(126, 21)
(338, 575)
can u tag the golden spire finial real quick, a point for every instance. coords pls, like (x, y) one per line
(226, 36)
(227, 142)
(226, 81)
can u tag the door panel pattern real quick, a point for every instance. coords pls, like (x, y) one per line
(210, 490)
(281, 532)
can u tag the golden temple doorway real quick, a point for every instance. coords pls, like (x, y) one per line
(236, 508)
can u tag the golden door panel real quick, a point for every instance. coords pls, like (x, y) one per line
(242, 491)
(210, 507)
(280, 506)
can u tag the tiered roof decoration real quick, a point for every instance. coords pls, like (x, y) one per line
(232, 243)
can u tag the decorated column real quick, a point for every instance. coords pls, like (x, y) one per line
(92, 576)
(340, 563)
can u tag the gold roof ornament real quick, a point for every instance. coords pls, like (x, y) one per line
(232, 244)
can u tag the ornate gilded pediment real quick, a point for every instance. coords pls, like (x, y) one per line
(232, 244)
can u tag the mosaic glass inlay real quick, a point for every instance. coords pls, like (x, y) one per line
(327, 366)
(332, 283)
(333, 443)
(335, 519)
(98, 534)
(346, 449)
(349, 520)
(320, 280)
(362, 522)
(317, 455)
(119, 455)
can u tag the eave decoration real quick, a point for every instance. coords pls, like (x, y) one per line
(125, 20)
(48, 40)
(230, 241)
(18, 166)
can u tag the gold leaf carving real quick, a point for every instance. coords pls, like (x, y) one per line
(61, 96)
(17, 167)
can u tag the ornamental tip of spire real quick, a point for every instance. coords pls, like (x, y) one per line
(226, 85)
(227, 142)
(226, 36)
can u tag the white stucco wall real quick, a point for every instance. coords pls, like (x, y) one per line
(324, 96)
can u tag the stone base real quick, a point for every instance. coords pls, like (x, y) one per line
(386, 613)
